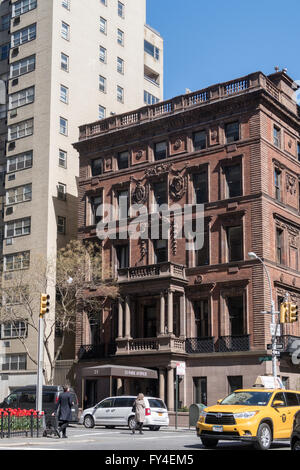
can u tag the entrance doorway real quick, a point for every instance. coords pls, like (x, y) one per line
(149, 321)
(91, 397)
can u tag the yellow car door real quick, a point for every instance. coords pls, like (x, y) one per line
(279, 415)
(292, 408)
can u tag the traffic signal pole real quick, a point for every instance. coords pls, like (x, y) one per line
(39, 385)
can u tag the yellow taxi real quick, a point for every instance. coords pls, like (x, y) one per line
(259, 415)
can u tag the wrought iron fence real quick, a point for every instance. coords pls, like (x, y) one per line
(92, 351)
(17, 422)
(222, 344)
(199, 345)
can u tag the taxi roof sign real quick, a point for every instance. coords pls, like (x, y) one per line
(269, 381)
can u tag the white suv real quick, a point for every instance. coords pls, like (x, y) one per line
(117, 411)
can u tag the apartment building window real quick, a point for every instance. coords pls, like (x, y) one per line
(63, 126)
(199, 140)
(277, 183)
(20, 130)
(19, 194)
(123, 160)
(61, 225)
(13, 362)
(298, 151)
(19, 162)
(121, 10)
(120, 65)
(103, 25)
(61, 191)
(14, 329)
(64, 94)
(201, 312)
(235, 306)
(151, 50)
(97, 167)
(65, 31)
(120, 94)
(24, 35)
(234, 243)
(5, 22)
(123, 204)
(200, 390)
(120, 37)
(66, 4)
(62, 158)
(160, 150)
(102, 54)
(17, 261)
(23, 6)
(276, 136)
(122, 255)
(160, 248)
(202, 254)
(22, 66)
(64, 62)
(233, 180)
(149, 98)
(279, 245)
(18, 228)
(235, 382)
(96, 209)
(21, 98)
(101, 112)
(160, 195)
(200, 186)
(232, 132)
(102, 84)
(4, 51)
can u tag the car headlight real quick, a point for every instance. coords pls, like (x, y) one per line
(202, 414)
(245, 415)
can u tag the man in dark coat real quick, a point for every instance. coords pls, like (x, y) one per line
(64, 404)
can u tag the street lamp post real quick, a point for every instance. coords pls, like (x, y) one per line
(253, 255)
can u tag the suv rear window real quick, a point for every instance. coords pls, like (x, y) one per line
(292, 399)
(155, 403)
(49, 397)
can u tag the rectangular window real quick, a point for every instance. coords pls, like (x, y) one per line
(19, 162)
(64, 62)
(120, 94)
(18, 228)
(150, 99)
(202, 255)
(200, 390)
(279, 245)
(235, 243)
(23, 6)
(120, 65)
(19, 194)
(4, 51)
(24, 35)
(65, 31)
(200, 183)
(102, 54)
(17, 261)
(199, 140)
(201, 312)
(13, 330)
(20, 130)
(276, 136)
(151, 49)
(123, 160)
(122, 254)
(61, 225)
(22, 66)
(102, 112)
(5, 22)
(120, 37)
(123, 204)
(233, 180)
(160, 195)
(21, 98)
(121, 9)
(96, 209)
(13, 362)
(235, 382)
(63, 126)
(160, 150)
(61, 191)
(232, 132)
(64, 94)
(97, 167)
(160, 251)
(235, 306)
(66, 4)
(62, 159)
(102, 83)
(277, 183)
(103, 25)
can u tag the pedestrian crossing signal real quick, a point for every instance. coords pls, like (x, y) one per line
(44, 305)
(293, 313)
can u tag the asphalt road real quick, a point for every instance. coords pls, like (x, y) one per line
(121, 439)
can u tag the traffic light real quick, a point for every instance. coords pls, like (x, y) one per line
(284, 312)
(293, 313)
(44, 305)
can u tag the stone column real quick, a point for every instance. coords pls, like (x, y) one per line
(162, 313)
(119, 386)
(127, 316)
(120, 319)
(170, 394)
(182, 316)
(162, 386)
(170, 312)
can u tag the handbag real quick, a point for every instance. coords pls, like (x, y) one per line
(133, 408)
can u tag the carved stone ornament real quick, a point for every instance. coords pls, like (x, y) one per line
(139, 154)
(291, 184)
(158, 169)
(198, 279)
(178, 187)
(140, 193)
(177, 144)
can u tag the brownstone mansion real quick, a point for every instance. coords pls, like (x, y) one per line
(233, 148)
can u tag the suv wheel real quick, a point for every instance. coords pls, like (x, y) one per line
(131, 423)
(209, 443)
(296, 444)
(264, 437)
(89, 421)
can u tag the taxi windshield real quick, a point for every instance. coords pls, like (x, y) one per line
(247, 398)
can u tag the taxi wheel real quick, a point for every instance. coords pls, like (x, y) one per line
(296, 445)
(209, 443)
(264, 437)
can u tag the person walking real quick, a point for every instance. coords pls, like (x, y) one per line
(64, 404)
(140, 406)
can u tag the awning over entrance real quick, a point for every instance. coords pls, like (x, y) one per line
(119, 371)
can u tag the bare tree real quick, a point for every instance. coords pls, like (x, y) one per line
(73, 275)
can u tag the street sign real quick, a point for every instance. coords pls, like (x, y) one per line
(180, 368)
(279, 346)
(265, 358)
(275, 329)
(276, 353)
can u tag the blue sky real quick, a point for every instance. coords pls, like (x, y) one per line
(207, 42)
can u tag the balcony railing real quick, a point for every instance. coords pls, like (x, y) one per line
(151, 270)
(96, 351)
(222, 344)
(180, 103)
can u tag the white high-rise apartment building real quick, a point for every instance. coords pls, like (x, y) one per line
(63, 63)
